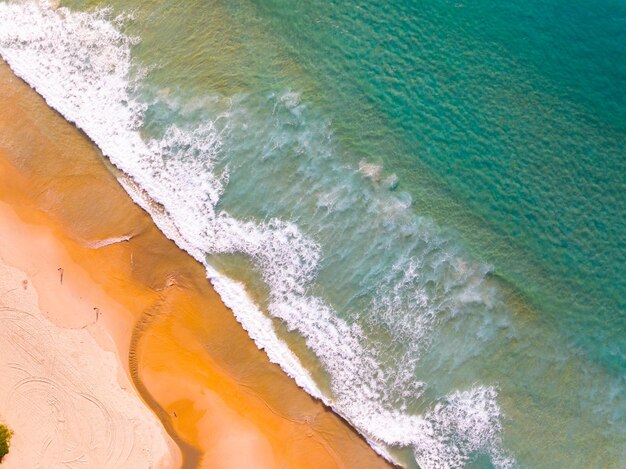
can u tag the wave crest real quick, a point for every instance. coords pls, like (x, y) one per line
(81, 64)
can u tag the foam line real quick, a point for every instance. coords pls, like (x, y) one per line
(81, 64)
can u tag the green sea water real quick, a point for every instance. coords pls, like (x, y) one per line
(462, 168)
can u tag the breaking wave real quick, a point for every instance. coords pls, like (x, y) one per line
(81, 64)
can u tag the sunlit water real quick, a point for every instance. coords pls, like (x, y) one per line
(430, 196)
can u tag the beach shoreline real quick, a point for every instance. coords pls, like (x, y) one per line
(63, 391)
(218, 396)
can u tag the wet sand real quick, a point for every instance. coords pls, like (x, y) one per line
(60, 392)
(216, 394)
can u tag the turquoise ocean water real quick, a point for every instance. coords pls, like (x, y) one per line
(429, 195)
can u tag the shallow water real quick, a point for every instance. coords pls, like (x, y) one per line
(430, 196)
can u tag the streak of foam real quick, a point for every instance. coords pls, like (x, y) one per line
(107, 242)
(81, 64)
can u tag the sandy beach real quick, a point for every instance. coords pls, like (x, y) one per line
(63, 395)
(140, 334)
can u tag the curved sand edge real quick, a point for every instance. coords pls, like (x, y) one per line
(59, 391)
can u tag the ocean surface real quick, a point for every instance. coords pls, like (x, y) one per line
(418, 209)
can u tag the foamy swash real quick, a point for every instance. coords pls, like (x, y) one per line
(81, 64)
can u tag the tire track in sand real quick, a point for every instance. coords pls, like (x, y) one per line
(60, 395)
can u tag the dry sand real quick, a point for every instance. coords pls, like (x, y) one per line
(216, 394)
(60, 394)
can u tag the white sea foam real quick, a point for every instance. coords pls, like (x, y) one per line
(81, 64)
(233, 293)
(107, 242)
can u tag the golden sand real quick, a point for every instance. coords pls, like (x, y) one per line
(63, 395)
(216, 394)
